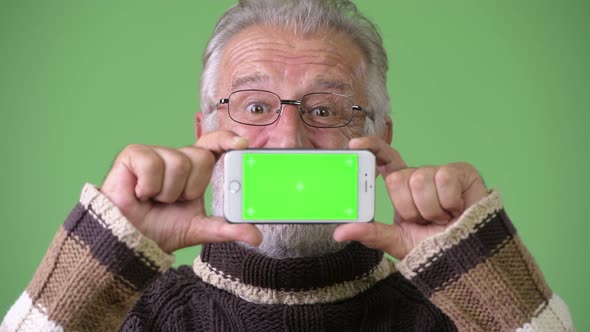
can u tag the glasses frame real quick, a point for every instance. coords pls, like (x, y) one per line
(295, 102)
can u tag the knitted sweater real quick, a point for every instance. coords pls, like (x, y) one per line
(101, 274)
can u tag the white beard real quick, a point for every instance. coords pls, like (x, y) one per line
(282, 240)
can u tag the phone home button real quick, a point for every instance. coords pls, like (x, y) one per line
(234, 187)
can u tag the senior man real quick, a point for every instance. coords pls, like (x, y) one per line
(461, 265)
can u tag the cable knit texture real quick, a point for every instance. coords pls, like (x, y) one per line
(181, 301)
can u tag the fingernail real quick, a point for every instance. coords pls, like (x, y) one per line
(336, 236)
(240, 142)
(354, 141)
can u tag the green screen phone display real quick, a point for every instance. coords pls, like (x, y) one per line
(302, 186)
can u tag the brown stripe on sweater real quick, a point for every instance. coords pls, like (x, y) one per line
(509, 266)
(95, 299)
(518, 267)
(444, 267)
(462, 311)
(47, 288)
(115, 255)
(48, 264)
(480, 294)
(53, 256)
(255, 269)
(76, 283)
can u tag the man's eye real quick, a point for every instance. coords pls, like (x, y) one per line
(257, 109)
(321, 111)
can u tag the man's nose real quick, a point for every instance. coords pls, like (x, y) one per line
(289, 131)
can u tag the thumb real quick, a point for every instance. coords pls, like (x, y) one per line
(216, 229)
(376, 235)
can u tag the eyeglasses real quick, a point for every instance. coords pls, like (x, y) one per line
(262, 108)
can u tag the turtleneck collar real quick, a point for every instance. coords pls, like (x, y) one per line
(306, 280)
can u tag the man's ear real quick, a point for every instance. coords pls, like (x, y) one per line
(387, 134)
(198, 124)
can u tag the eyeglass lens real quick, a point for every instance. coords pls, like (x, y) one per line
(264, 107)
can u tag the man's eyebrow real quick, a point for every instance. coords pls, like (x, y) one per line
(239, 82)
(341, 87)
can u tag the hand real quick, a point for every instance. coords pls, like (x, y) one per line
(160, 191)
(426, 200)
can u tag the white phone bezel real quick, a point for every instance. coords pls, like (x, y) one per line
(232, 182)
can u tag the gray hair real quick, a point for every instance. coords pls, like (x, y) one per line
(302, 16)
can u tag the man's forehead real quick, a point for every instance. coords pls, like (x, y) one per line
(271, 58)
(321, 81)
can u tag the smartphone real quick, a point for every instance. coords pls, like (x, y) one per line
(299, 186)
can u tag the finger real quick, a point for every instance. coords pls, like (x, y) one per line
(203, 162)
(473, 188)
(376, 235)
(449, 191)
(426, 197)
(148, 168)
(177, 167)
(398, 188)
(388, 159)
(216, 229)
(220, 141)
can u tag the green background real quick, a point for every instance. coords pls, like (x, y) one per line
(328, 186)
(501, 84)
